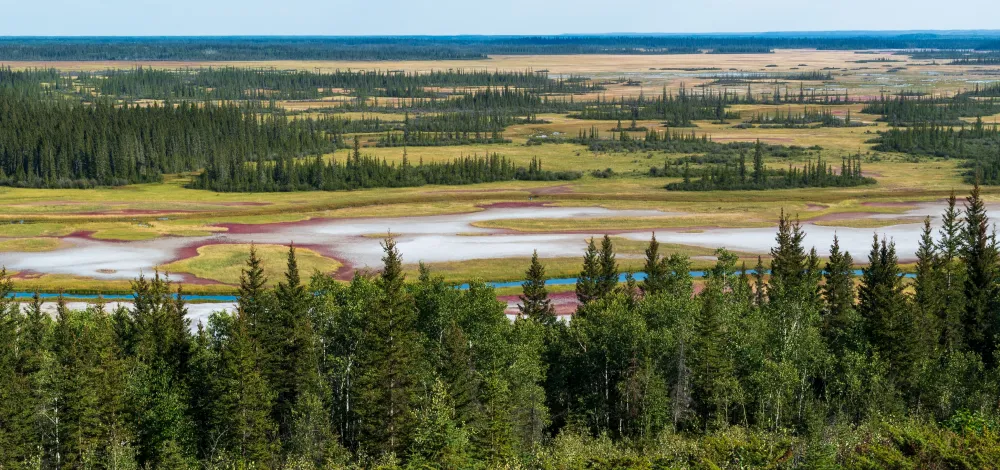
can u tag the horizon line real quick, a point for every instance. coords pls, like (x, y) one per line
(859, 32)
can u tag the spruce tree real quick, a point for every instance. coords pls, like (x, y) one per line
(535, 303)
(928, 290)
(439, 440)
(459, 374)
(979, 252)
(389, 362)
(252, 292)
(607, 268)
(201, 387)
(839, 316)
(789, 264)
(760, 287)
(587, 281)
(244, 401)
(759, 171)
(884, 308)
(292, 366)
(16, 420)
(952, 277)
(655, 270)
(711, 365)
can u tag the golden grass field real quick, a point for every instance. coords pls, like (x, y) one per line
(652, 70)
(33, 219)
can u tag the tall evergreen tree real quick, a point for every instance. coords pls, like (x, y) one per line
(712, 367)
(884, 308)
(839, 322)
(587, 282)
(789, 263)
(928, 290)
(251, 298)
(759, 171)
(439, 441)
(607, 268)
(535, 303)
(291, 359)
(655, 270)
(389, 362)
(979, 252)
(459, 374)
(952, 277)
(244, 405)
(16, 430)
(760, 287)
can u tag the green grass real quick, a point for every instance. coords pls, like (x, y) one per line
(866, 223)
(42, 229)
(224, 263)
(630, 257)
(80, 285)
(109, 212)
(30, 244)
(618, 223)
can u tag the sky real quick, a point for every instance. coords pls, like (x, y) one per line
(444, 17)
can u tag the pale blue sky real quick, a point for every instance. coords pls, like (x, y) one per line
(403, 17)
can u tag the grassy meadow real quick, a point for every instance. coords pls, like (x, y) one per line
(33, 220)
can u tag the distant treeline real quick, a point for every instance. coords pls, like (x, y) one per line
(336, 125)
(438, 139)
(742, 49)
(60, 144)
(458, 47)
(28, 82)
(493, 99)
(359, 171)
(234, 83)
(991, 90)
(904, 111)
(450, 128)
(674, 110)
(978, 144)
(807, 118)
(673, 141)
(729, 78)
(981, 60)
(254, 83)
(782, 93)
(738, 176)
(987, 54)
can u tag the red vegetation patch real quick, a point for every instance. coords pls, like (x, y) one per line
(565, 303)
(249, 229)
(345, 273)
(89, 235)
(27, 274)
(188, 278)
